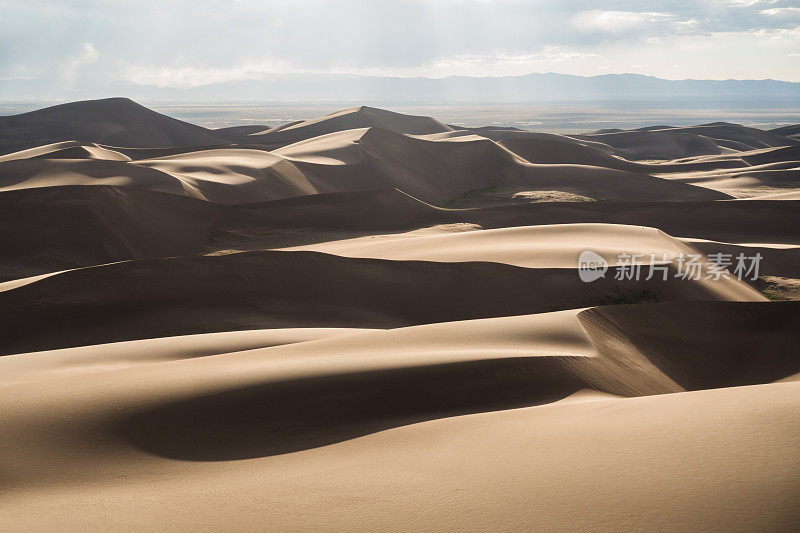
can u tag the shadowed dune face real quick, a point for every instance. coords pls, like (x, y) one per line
(371, 321)
(291, 416)
(56, 228)
(166, 297)
(718, 346)
(287, 416)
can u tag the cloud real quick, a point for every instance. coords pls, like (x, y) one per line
(192, 76)
(614, 21)
(781, 11)
(460, 64)
(188, 42)
(70, 66)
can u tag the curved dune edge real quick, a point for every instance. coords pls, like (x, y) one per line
(256, 290)
(35, 366)
(546, 246)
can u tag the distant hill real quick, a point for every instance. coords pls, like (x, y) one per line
(528, 88)
(110, 121)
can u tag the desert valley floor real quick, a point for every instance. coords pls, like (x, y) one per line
(374, 321)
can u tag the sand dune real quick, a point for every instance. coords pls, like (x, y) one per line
(167, 297)
(447, 167)
(221, 175)
(231, 176)
(550, 246)
(787, 131)
(755, 183)
(68, 150)
(674, 143)
(523, 469)
(35, 366)
(348, 119)
(793, 195)
(35, 173)
(103, 224)
(374, 321)
(415, 154)
(752, 221)
(727, 334)
(112, 121)
(758, 180)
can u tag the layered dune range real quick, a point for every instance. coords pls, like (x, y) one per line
(370, 320)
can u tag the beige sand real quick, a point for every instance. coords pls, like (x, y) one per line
(361, 322)
(519, 469)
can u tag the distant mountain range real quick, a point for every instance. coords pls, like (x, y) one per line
(510, 89)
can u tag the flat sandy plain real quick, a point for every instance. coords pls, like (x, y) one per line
(371, 321)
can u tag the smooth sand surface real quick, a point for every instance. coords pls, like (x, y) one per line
(380, 414)
(371, 321)
(102, 357)
(546, 246)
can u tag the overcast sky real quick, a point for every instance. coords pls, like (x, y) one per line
(184, 43)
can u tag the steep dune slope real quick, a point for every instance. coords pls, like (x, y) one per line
(721, 344)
